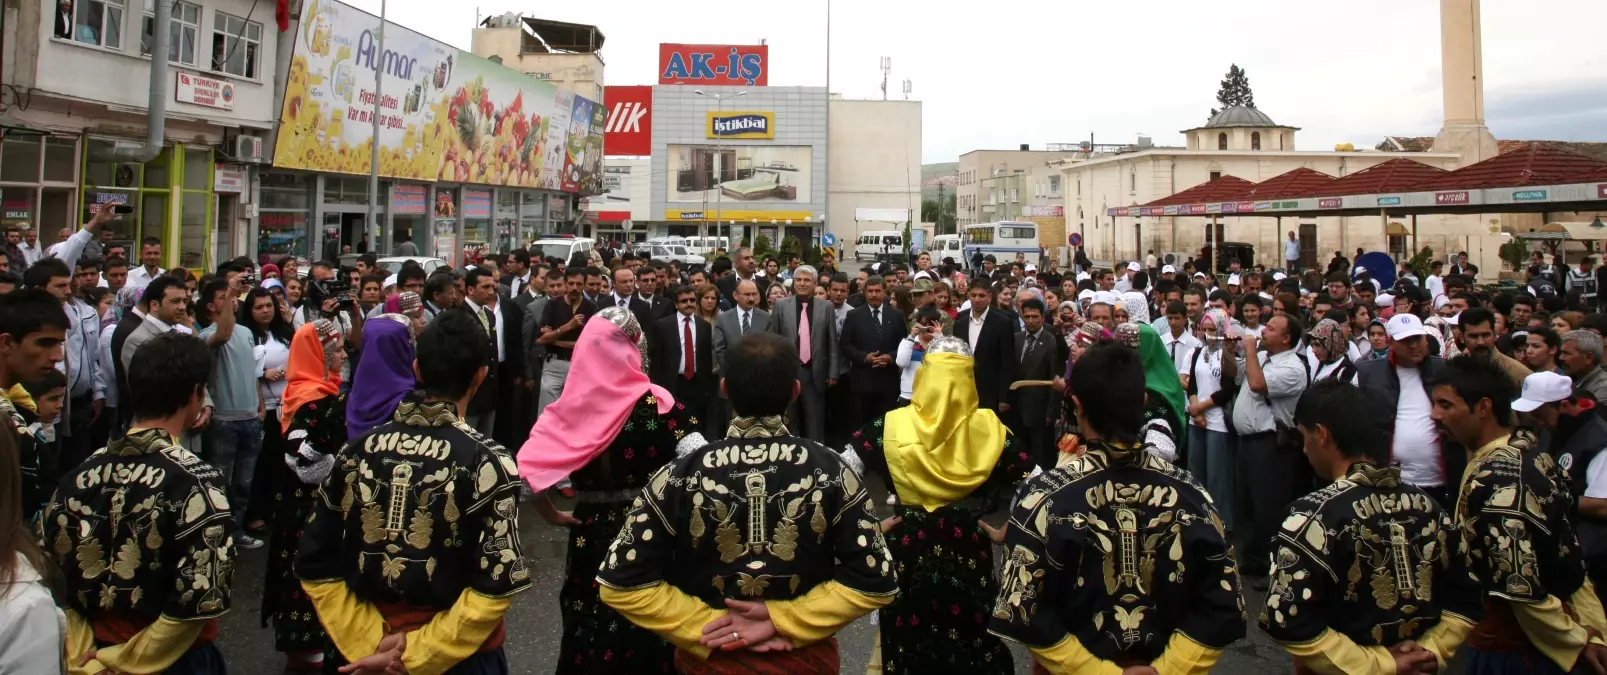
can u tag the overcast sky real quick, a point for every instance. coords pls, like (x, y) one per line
(1039, 72)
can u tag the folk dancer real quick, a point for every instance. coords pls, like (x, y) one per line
(1541, 614)
(313, 417)
(142, 531)
(610, 430)
(416, 529)
(750, 553)
(1117, 558)
(1369, 574)
(950, 463)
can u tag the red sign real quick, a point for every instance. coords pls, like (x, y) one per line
(1246, 207)
(1601, 191)
(1330, 203)
(1193, 208)
(609, 216)
(629, 130)
(1451, 198)
(733, 65)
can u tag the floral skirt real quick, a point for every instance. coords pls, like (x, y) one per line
(597, 640)
(938, 623)
(295, 623)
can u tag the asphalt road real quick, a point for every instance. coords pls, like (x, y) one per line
(535, 626)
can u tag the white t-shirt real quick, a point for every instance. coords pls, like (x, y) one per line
(1417, 440)
(1207, 377)
(1596, 477)
(271, 355)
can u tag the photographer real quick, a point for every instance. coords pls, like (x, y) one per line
(912, 349)
(327, 297)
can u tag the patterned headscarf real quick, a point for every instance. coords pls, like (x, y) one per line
(948, 345)
(1136, 306)
(1328, 336)
(1091, 333)
(1128, 334)
(626, 320)
(327, 334)
(128, 296)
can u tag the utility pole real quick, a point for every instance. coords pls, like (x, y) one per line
(371, 228)
(940, 203)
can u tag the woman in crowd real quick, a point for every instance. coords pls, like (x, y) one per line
(1211, 373)
(312, 413)
(33, 631)
(270, 337)
(1562, 322)
(609, 431)
(949, 463)
(270, 271)
(1360, 316)
(927, 324)
(293, 287)
(1167, 405)
(1330, 351)
(1376, 344)
(776, 292)
(708, 302)
(384, 375)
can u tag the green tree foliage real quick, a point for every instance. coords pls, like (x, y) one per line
(1235, 90)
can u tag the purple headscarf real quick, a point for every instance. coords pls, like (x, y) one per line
(384, 374)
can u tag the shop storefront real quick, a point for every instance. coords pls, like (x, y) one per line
(172, 196)
(39, 183)
(285, 217)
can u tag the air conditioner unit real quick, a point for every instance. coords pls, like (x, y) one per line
(248, 149)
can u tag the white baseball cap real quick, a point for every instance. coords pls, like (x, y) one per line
(1134, 267)
(1105, 298)
(1233, 279)
(1360, 270)
(1403, 326)
(1086, 295)
(1279, 276)
(1084, 276)
(1199, 275)
(1542, 388)
(1032, 268)
(1168, 269)
(1384, 300)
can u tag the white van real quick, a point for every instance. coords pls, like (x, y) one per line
(705, 246)
(946, 246)
(562, 247)
(872, 244)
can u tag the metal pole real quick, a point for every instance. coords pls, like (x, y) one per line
(719, 163)
(826, 204)
(371, 227)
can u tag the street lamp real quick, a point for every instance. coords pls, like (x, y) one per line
(719, 161)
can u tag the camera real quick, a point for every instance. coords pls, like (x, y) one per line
(319, 290)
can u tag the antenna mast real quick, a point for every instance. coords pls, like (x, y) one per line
(908, 87)
(887, 67)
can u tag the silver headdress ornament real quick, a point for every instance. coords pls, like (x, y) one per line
(626, 320)
(1128, 334)
(401, 319)
(949, 345)
(328, 335)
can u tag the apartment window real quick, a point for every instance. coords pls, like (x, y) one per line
(1255, 140)
(97, 22)
(1132, 180)
(1054, 186)
(236, 44)
(1221, 141)
(1215, 175)
(186, 27)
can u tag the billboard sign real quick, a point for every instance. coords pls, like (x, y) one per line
(630, 121)
(447, 115)
(1452, 198)
(729, 65)
(746, 173)
(752, 125)
(203, 91)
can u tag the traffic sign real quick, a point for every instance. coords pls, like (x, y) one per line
(828, 240)
(625, 224)
(1075, 239)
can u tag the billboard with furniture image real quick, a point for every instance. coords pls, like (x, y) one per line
(739, 173)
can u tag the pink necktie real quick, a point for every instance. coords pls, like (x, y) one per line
(804, 349)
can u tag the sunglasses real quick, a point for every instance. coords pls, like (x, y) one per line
(683, 301)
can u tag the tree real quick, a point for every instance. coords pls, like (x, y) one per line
(1235, 90)
(929, 211)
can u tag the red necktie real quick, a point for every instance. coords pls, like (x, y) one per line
(686, 346)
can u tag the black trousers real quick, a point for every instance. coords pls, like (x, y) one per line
(1039, 444)
(73, 433)
(870, 405)
(270, 471)
(1269, 478)
(839, 413)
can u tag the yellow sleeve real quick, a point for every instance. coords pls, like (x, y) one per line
(1184, 656)
(1334, 654)
(667, 611)
(1446, 636)
(354, 626)
(1587, 607)
(1068, 657)
(153, 649)
(80, 641)
(821, 612)
(1552, 631)
(453, 635)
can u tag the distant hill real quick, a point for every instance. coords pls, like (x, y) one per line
(932, 175)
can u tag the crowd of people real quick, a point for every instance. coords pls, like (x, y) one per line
(1404, 473)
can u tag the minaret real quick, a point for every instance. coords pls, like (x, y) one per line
(1462, 71)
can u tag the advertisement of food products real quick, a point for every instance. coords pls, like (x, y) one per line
(447, 115)
(741, 173)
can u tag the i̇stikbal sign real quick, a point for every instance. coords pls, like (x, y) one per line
(760, 125)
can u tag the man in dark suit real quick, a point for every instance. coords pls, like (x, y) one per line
(869, 342)
(745, 270)
(492, 410)
(517, 275)
(817, 351)
(989, 332)
(649, 305)
(1043, 357)
(532, 302)
(682, 351)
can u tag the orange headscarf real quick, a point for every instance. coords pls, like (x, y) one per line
(307, 374)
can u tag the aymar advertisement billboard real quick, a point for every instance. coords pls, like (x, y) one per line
(630, 121)
(447, 115)
(732, 65)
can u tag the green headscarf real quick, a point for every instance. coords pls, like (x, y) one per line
(1161, 379)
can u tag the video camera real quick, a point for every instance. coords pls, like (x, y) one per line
(319, 290)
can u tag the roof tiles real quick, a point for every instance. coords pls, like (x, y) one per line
(1396, 175)
(1534, 164)
(1226, 188)
(1301, 182)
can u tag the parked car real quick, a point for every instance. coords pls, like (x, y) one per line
(561, 247)
(394, 265)
(678, 254)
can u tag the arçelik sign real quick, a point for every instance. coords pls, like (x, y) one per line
(742, 125)
(732, 65)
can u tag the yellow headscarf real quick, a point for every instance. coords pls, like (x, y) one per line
(941, 447)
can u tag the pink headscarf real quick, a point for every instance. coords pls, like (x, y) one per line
(605, 381)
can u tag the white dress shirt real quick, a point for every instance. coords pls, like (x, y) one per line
(745, 315)
(976, 328)
(138, 277)
(520, 283)
(617, 300)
